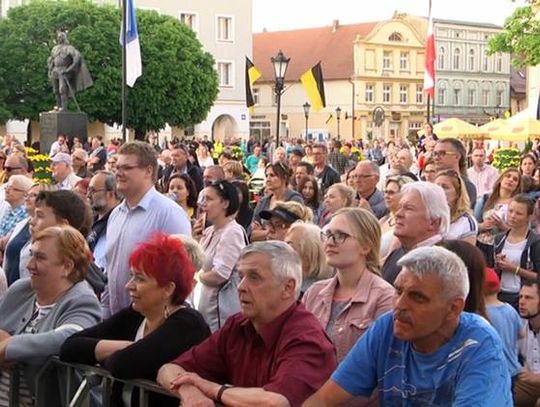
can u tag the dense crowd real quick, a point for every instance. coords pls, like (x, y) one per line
(242, 273)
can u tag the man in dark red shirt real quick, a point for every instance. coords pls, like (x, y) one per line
(274, 351)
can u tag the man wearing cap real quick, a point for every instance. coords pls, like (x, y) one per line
(278, 220)
(527, 385)
(62, 171)
(273, 353)
(427, 352)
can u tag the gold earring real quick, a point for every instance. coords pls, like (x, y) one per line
(166, 311)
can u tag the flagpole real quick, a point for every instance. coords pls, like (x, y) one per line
(428, 109)
(124, 69)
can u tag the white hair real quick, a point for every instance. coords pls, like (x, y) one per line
(284, 261)
(22, 180)
(442, 263)
(194, 250)
(434, 200)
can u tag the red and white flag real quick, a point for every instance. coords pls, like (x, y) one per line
(429, 72)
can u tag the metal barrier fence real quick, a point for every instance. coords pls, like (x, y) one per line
(79, 381)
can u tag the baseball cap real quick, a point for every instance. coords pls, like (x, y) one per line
(62, 158)
(491, 283)
(280, 213)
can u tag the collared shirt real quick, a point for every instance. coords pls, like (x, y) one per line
(378, 206)
(69, 182)
(291, 355)
(372, 298)
(484, 179)
(125, 229)
(529, 347)
(11, 218)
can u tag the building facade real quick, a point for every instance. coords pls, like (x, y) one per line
(224, 30)
(388, 75)
(470, 84)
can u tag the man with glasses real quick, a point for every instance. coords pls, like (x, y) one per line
(142, 212)
(450, 154)
(369, 197)
(325, 174)
(103, 198)
(427, 352)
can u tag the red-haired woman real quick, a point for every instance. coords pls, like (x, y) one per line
(135, 342)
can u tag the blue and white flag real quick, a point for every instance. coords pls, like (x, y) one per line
(133, 48)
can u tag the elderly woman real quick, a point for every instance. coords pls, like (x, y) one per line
(157, 327)
(347, 304)
(305, 239)
(40, 312)
(463, 225)
(20, 237)
(222, 243)
(16, 189)
(276, 190)
(279, 220)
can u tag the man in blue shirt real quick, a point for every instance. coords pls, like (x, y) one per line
(428, 352)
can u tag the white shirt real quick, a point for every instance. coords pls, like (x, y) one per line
(529, 347)
(510, 282)
(463, 227)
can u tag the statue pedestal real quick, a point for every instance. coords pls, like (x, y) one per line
(52, 124)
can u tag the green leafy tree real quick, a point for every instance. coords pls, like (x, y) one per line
(521, 38)
(178, 85)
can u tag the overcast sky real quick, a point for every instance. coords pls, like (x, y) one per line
(277, 15)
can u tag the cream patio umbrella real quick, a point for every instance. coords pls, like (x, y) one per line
(458, 128)
(521, 130)
(494, 125)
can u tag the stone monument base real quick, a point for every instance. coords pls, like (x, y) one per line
(52, 124)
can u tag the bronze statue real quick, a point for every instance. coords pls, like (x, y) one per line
(67, 71)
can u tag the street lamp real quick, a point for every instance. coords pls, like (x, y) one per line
(338, 117)
(280, 63)
(306, 107)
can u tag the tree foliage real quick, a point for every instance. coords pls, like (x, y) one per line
(178, 85)
(520, 38)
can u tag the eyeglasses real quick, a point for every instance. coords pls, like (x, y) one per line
(390, 192)
(92, 190)
(443, 153)
(126, 168)
(365, 176)
(338, 237)
(12, 188)
(8, 169)
(273, 226)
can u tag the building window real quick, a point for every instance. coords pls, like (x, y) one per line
(471, 60)
(419, 94)
(190, 19)
(472, 97)
(457, 95)
(485, 97)
(386, 91)
(395, 36)
(404, 61)
(387, 60)
(403, 93)
(457, 59)
(256, 95)
(225, 73)
(499, 62)
(261, 130)
(369, 93)
(441, 57)
(225, 30)
(485, 61)
(500, 98)
(441, 96)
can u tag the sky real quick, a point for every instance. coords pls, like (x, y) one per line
(275, 15)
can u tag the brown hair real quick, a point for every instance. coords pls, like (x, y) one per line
(496, 194)
(146, 155)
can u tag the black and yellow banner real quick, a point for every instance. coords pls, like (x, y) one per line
(252, 74)
(314, 85)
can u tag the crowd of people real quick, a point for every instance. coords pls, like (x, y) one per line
(305, 274)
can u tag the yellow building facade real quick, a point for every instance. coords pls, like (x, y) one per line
(388, 78)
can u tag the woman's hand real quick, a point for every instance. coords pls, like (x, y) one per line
(498, 222)
(106, 348)
(502, 264)
(198, 227)
(258, 232)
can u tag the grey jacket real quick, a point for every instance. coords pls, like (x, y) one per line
(79, 307)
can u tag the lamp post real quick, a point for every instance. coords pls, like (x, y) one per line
(338, 117)
(306, 107)
(280, 63)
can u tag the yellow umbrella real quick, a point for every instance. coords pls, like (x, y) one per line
(521, 130)
(457, 128)
(494, 125)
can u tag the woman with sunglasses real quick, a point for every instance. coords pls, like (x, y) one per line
(347, 304)
(222, 243)
(491, 210)
(463, 226)
(276, 189)
(392, 195)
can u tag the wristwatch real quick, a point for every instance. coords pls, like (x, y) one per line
(220, 392)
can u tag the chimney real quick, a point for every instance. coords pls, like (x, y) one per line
(335, 25)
